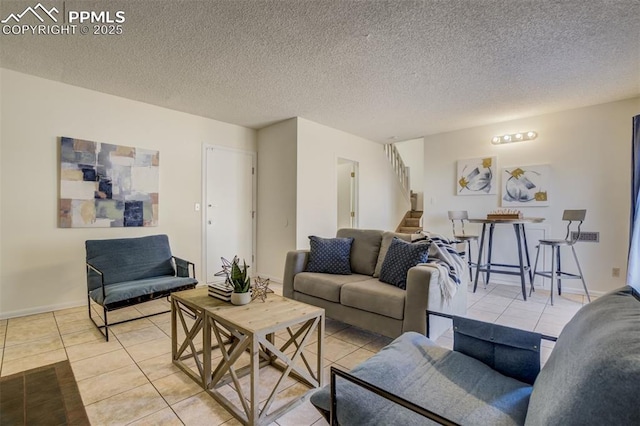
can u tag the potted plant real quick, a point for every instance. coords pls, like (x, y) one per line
(240, 281)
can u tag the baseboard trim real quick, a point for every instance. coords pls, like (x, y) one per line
(41, 309)
(565, 289)
(271, 278)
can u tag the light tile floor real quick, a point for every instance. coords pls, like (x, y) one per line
(131, 380)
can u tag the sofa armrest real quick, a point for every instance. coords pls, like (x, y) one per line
(421, 282)
(295, 263)
(95, 278)
(183, 267)
(511, 351)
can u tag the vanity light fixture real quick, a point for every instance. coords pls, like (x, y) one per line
(514, 137)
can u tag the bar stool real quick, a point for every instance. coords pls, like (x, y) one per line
(569, 240)
(462, 216)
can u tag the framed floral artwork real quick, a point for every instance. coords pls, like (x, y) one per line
(477, 176)
(526, 186)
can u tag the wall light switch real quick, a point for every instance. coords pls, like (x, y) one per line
(197, 207)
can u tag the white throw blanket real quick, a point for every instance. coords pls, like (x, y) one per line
(446, 258)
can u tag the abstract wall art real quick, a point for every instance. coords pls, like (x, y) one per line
(104, 185)
(526, 186)
(476, 176)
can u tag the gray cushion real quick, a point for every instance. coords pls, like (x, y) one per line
(593, 373)
(401, 257)
(324, 286)
(374, 296)
(387, 237)
(128, 290)
(451, 384)
(127, 259)
(329, 255)
(365, 248)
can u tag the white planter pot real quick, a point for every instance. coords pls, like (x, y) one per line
(240, 298)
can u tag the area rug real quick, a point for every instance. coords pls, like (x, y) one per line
(43, 396)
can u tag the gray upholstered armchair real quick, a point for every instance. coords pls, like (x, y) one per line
(125, 271)
(493, 375)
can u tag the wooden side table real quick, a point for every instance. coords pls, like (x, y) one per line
(253, 328)
(190, 304)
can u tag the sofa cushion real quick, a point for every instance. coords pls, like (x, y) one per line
(387, 237)
(324, 286)
(131, 290)
(593, 373)
(329, 255)
(374, 296)
(364, 250)
(451, 384)
(400, 257)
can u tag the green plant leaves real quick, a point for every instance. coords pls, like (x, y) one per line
(239, 277)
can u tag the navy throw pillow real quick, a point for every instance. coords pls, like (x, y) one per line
(330, 255)
(401, 257)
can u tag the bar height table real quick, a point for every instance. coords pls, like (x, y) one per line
(521, 239)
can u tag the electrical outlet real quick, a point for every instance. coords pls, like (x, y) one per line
(196, 207)
(615, 272)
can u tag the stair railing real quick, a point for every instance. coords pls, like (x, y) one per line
(398, 166)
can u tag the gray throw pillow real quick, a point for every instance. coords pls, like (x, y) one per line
(387, 237)
(330, 255)
(401, 257)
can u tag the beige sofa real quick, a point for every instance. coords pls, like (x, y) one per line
(360, 299)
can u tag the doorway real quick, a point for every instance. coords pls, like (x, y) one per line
(229, 204)
(347, 181)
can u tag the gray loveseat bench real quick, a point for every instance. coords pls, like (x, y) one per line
(592, 376)
(126, 271)
(362, 300)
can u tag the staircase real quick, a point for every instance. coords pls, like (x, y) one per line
(410, 223)
(398, 166)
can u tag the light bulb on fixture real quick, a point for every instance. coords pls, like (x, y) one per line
(514, 137)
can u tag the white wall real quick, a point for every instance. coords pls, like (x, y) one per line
(380, 200)
(276, 197)
(43, 265)
(589, 153)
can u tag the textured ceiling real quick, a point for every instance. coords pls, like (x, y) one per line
(377, 69)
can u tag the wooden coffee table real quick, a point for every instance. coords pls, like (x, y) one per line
(251, 328)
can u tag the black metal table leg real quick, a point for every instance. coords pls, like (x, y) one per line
(490, 250)
(526, 252)
(469, 257)
(517, 228)
(475, 282)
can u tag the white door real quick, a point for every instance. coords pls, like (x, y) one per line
(229, 208)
